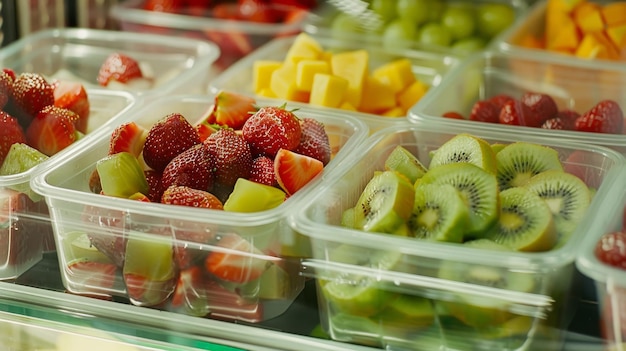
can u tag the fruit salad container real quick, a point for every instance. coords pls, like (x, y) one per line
(452, 27)
(26, 230)
(526, 94)
(196, 261)
(601, 260)
(236, 27)
(167, 65)
(571, 31)
(387, 82)
(399, 291)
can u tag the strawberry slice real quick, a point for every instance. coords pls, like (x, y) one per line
(190, 295)
(232, 109)
(52, 130)
(204, 131)
(128, 137)
(73, 96)
(235, 260)
(91, 276)
(118, 67)
(293, 171)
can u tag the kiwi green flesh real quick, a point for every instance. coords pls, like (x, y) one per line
(464, 148)
(567, 196)
(439, 213)
(404, 162)
(525, 221)
(385, 203)
(478, 189)
(519, 161)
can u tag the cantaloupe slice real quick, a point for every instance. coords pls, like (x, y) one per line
(352, 66)
(398, 74)
(307, 69)
(328, 90)
(262, 72)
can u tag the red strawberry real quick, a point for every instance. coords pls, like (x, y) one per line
(605, 117)
(186, 196)
(232, 155)
(484, 111)
(118, 67)
(232, 109)
(154, 184)
(314, 140)
(31, 93)
(500, 99)
(542, 106)
(190, 295)
(166, 139)
(52, 130)
(294, 171)
(163, 5)
(271, 129)
(611, 249)
(192, 167)
(235, 259)
(128, 137)
(554, 123)
(73, 96)
(263, 171)
(11, 132)
(568, 117)
(10, 72)
(516, 113)
(97, 277)
(6, 88)
(452, 115)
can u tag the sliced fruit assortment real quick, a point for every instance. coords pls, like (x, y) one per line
(534, 109)
(581, 28)
(343, 80)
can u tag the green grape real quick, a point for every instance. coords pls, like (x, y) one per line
(459, 22)
(399, 34)
(415, 11)
(386, 9)
(345, 24)
(435, 10)
(494, 18)
(468, 45)
(434, 33)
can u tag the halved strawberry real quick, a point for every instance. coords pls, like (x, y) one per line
(52, 130)
(73, 96)
(314, 140)
(11, 132)
(232, 109)
(186, 196)
(118, 67)
(293, 171)
(204, 131)
(234, 259)
(190, 295)
(128, 137)
(91, 276)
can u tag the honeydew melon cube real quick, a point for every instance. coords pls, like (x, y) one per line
(353, 66)
(328, 90)
(304, 47)
(397, 74)
(307, 69)
(411, 95)
(376, 96)
(262, 72)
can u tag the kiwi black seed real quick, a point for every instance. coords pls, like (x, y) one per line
(519, 161)
(439, 213)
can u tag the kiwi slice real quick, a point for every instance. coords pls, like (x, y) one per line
(525, 222)
(439, 213)
(355, 293)
(478, 189)
(519, 161)
(409, 312)
(567, 197)
(497, 147)
(468, 149)
(385, 203)
(404, 162)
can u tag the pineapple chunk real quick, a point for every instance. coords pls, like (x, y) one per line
(304, 47)
(394, 112)
(352, 66)
(347, 106)
(411, 95)
(328, 90)
(376, 96)
(397, 74)
(262, 72)
(266, 92)
(282, 82)
(306, 70)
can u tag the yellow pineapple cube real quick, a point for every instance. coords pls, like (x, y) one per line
(262, 72)
(376, 96)
(304, 47)
(397, 74)
(328, 90)
(306, 70)
(353, 66)
(266, 92)
(283, 82)
(411, 95)
(347, 106)
(394, 112)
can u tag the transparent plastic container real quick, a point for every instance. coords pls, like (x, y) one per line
(267, 245)
(235, 38)
(577, 87)
(436, 310)
(176, 65)
(609, 282)
(428, 67)
(26, 231)
(528, 37)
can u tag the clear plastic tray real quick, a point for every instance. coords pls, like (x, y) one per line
(177, 65)
(577, 86)
(428, 67)
(273, 243)
(533, 319)
(26, 230)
